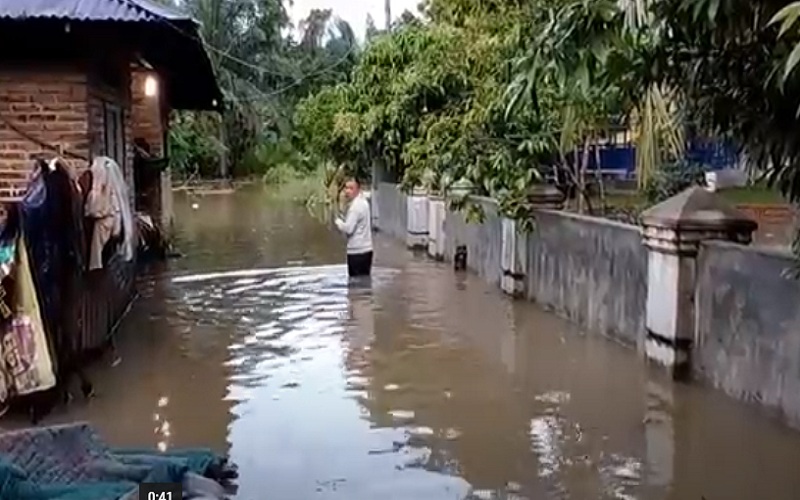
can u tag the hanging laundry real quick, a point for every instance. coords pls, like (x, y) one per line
(102, 205)
(108, 203)
(85, 184)
(124, 203)
(52, 229)
(26, 365)
(8, 255)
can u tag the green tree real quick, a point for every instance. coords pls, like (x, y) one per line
(263, 75)
(724, 59)
(426, 102)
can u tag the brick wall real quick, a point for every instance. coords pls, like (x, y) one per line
(150, 121)
(776, 223)
(147, 120)
(65, 108)
(51, 106)
(99, 93)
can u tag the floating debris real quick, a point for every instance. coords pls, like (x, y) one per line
(628, 470)
(553, 397)
(481, 495)
(402, 414)
(452, 434)
(513, 487)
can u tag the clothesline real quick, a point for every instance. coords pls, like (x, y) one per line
(42, 143)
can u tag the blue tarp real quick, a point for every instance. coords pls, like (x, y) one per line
(72, 463)
(620, 158)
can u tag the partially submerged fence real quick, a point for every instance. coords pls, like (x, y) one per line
(686, 290)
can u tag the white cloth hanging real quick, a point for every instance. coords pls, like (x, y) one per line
(108, 202)
(102, 206)
(124, 202)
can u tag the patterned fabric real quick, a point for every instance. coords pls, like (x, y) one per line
(9, 239)
(8, 257)
(25, 360)
(26, 366)
(72, 463)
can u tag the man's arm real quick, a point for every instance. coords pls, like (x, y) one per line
(348, 224)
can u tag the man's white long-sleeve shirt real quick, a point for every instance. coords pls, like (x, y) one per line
(357, 226)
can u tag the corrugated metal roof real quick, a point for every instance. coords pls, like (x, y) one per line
(179, 55)
(89, 10)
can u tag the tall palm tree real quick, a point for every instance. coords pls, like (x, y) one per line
(261, 72)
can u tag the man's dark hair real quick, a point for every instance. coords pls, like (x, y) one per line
(354, 179)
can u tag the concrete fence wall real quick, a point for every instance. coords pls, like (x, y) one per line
(392, 209)
(748, 325)
(745, 333)
(482, 239)
(590, 270)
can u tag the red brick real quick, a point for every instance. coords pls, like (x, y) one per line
(4, 155)
(26, 107)
(63, 126)
(49, 106)
(71, 117)
(12, 146)
(60, 108)
(11, 98)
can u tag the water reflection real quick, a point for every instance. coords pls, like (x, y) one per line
(421, 384)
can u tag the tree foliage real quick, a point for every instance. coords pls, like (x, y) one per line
(502, 93)
(425, 102)
(263, 74)
(730, 64)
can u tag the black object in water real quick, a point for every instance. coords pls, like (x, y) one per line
(460, 258)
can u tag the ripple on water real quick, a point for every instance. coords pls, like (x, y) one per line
(297, 364)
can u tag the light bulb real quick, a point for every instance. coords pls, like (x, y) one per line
(150, 86)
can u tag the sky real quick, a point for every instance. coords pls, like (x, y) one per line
(353, 11)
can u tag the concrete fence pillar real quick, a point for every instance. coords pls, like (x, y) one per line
(374, 207)
(513, 258)
(417, 221)
(514, 251)
(437, 211)
(673, 232)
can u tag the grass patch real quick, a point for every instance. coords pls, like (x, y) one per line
(631, 199)
(756, 195)
(296, 187)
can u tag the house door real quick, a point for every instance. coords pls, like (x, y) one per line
(114, 134)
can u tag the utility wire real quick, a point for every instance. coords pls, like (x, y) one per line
(261, 69)
(264, 95)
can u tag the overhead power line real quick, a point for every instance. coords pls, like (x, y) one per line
(268, 94)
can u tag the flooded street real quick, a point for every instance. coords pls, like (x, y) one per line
(425, 384)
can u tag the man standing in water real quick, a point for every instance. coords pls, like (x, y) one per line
(357, 226)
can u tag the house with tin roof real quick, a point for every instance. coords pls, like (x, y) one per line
(83, 78)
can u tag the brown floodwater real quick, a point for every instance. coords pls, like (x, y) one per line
(424, 384)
